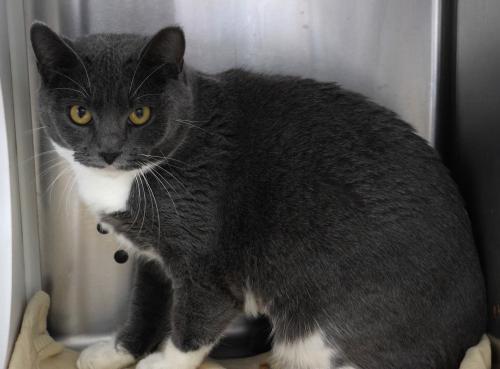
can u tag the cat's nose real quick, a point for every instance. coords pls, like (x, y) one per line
(109, 157)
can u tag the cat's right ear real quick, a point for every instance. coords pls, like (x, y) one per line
(167, 46)
(52, 52)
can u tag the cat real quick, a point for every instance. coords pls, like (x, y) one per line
(261, 194)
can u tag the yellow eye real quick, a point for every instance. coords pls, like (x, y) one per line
(140, 115)
(80, 115)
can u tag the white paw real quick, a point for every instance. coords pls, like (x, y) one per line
(172, 358)
(153, 361)
(104, 355)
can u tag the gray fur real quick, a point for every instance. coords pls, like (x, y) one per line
(328, 207)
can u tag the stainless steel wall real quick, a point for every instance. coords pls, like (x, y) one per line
(386, 49)
(473, 139)
(12, 286)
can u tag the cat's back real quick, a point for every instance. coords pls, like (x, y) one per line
(304, 131)
(292, 112)
(329, 177)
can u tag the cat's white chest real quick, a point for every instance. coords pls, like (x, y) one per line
(104, 191)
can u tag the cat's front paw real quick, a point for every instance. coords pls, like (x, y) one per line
(153, 361)
(173, 358)
(104, 355)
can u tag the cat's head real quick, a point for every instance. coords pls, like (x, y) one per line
(110, 100)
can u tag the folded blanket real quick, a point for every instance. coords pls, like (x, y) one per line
(35, 349)
(479, 356)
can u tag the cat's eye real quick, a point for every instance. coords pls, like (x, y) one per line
(140, 116)
(79, 115)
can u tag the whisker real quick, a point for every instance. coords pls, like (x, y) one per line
(143, 179)
(142, 194)
(83, 65)
(194, 121)
(46, 171)
(178, 180)
(140, 97)
(183, 162)
(50, 160)
(136, 182)
(177, 160)
(39, 155)
(83, 90)
(51, 166)
(51, 186)
(35, 129)
(145, 200)
(157, 175)
(148, 76)
(156, 165)
(68, 196)
(190, 123)
(193, 126)
(64, 195)
(142, 53)
(155, 204)
(68, 89)
(163, 159)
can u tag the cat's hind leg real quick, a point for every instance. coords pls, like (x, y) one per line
(303, 336)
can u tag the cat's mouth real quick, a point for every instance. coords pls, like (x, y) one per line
(124, 166)
(111, 171)
(119, 166)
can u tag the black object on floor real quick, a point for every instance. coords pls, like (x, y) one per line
(244, 338)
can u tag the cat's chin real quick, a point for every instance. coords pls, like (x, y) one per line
(112, 171)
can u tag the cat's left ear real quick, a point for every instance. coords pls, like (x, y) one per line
(165, 48)
(52, 52)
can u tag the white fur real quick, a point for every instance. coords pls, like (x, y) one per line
(310, 352)
(252, 306)
(103, 190)
(173, 358)
(126, 244)
(104, 355)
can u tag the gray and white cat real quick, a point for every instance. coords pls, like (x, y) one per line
(265, 195)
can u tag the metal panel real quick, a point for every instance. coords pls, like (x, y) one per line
(474, 153)
(16, 197)
(382, 48)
